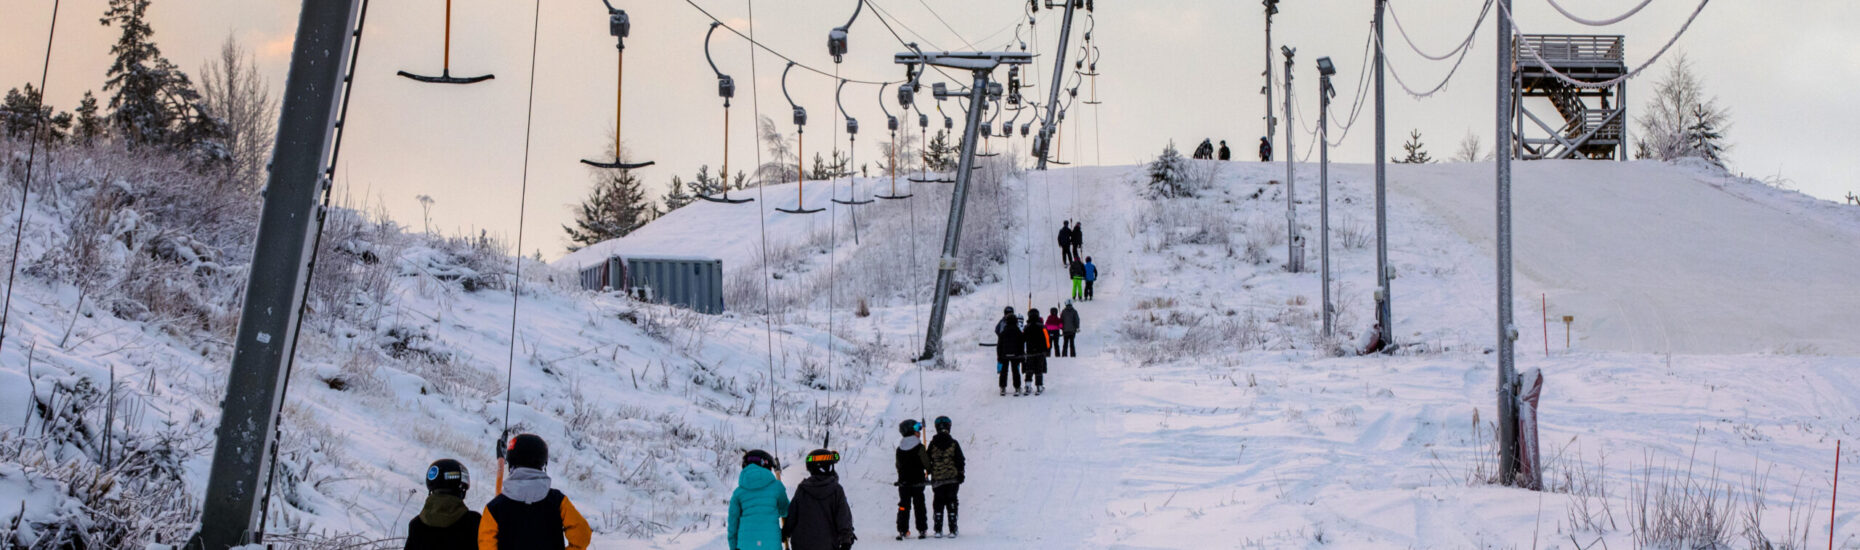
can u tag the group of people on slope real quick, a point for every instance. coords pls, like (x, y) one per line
(526, 514)
(819, 516)
(1021, 349)
(1206, 150)
(1078, 266)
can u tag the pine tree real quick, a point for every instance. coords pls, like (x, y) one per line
(940, 155)
(89, 126)
(1703, 136)
(23, 113)
(1416, 155)
(677, 197)
(614, 208)
(1169, 175)
(707, 185)
(154, 102)
(742, 180)
(1667, 123)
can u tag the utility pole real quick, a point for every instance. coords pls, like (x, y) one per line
(1384, 312)
(1042, 145)
(326, 34)
(1272, 124)
(1294, 257)
(1325, 70)
(1507, 333)
(981, 64)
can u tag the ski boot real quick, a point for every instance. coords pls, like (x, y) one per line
(922, 535)
(938, 535)
(1003, 392)
(901, 535)
(1041, 391)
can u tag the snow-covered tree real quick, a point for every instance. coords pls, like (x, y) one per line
(783, 164)
(615, 207)
(1679, 105)
(1417, 152)
(1703, 135)
(25, 112)
(233, 92)
(942, 153)
(824, 170)
(1169, 175)
(677, 196)
(707, 184)
(154, 102)
(89, 125)
(907, 159)
(1470, 148)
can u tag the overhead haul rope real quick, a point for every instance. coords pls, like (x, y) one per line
(25, 188)
(1617, 80)
(1463, 45)
(762, 217)
(752, 40)
(523, 195)
(1599, 22)
(1443, 81)
(833, 276)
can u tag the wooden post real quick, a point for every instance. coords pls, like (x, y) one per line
(1834, 498)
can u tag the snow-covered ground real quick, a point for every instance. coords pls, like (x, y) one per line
(1712, 354)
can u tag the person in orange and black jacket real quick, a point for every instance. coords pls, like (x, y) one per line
(527, 514)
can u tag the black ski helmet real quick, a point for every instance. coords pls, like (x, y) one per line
(942, 424)
(821, 461)
(761, 458)
(1008, 311)
(910, 427)
(448, 475)
(527, 451)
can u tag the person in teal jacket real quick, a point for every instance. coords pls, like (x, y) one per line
(758, 505)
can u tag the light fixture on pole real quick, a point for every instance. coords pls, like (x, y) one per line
(1325, 71)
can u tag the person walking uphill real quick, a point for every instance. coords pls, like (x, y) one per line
(757, 505)
(1078, 239)
(444, 523)
(1065, 243)
(1038, 342)
(1226, 154)
(1265, 150)
(1009, 345)
(913, 474)
(528, 514)
(1069, 327)
(1054, 326)
(946, 469)
(1091, 276)
(819, 517)
(1078, 279)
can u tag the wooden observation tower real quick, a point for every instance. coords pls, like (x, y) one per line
(1593, 121)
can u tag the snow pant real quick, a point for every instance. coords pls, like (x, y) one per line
(1009, 369)
(1065, 255)
(1078, 288)
(911, 497)
(1088, 283)
(944, 501)
(1075, 253)
(1036, 371)
(1066, 348)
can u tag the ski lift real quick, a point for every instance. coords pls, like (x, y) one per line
(445, 67)
(836, 39)
(726, 89)
(852, 138)
(891, 123)
(619, 26)
(800, 129)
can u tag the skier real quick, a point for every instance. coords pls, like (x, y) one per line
(1265, 150)
(1078, 238)
(946, 468)
(1078, 279)
(1065, 242)
(1037, 344)
(819, 517)
(1226, 154)
(1091, 276)
(757, 505)
(1054, 326)
(444, 523)
(913, 474)
(1010, 342)
(1069, 325)
(527, 513)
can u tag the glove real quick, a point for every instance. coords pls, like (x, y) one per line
(503, 440)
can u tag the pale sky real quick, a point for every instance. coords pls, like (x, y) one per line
(1172, 69)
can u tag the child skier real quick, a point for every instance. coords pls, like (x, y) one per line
(1054, 326)
(527, 513)
(1091, 276)
(1009, 347)
(757, 505)
(946, 469)
(444, 523)
(913, 474)
(1078, 278)
(819, 517)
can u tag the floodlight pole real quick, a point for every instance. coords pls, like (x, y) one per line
(1508, 463)
(280, 263)
(1293, 260)
(1272, 124)
(1384, 312)
(1043, 144)
(1324, 196)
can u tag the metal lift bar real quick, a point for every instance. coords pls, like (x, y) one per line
(445, 67)
(619, 26)
(800, 129)
(726, 89)
(891, 123)
(852, 140)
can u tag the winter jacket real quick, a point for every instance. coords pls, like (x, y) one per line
(756, 509)
(1226, 154)
(1038, 341)
(1065, 237)
(1265, 151)
(819, 518)
(1008, 338)
(1053, 325)
(913, 461)
(1077, 269)
(1078, 234)
(1069, 320)
(946, 461)
(1091, 271)
(443, 524)
(531, 516)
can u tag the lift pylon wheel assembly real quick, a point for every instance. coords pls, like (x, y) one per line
(852, 140)
(726, 89)
(619, 26)
(891, 123)
(800, 130)
(445, 67)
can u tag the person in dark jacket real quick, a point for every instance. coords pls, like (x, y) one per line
(1078, 279)
(947, 467)
(1078, 239)
(1265, 150)
(1065, 242)
(1069, 327)
(1038, 342)
(1010, 344)
(444, 523)
(913, 474)
(819, 517)
(527, 514)
(757, 505)
(1091, 276)
(1225, 153)
(1204, 151)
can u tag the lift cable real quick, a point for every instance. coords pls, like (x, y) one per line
(751, 38)
(523, 193)
(25, 188)
(1613, 81)
(762, 217)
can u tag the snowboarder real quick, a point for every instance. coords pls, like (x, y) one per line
(444, 523)
(1078, 279)
(913, 474)
(1078, 239)
(757, 505)
(1038, 342)
(1226, 154)
(1010, 343)
(946, 469)
(819, 517)
(1091, 276)
(1265, 150)
(1054, 325)
(527, 513)
(1069, 327)
(1065, 242)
